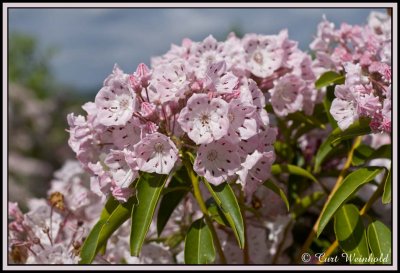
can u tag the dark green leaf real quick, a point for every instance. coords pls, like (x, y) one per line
(119, 216)
(361, 154)
(270, 185)
(172, 198)
(358, 128)
(226, 200)
(148, 192)
(327, 102)
(329, 78)
(215, 212)
(387, 191)
(385, 151)
(350, 233)
(89, 248)
(199, 245)
(350, 184)
(110, 206)
(379, 240)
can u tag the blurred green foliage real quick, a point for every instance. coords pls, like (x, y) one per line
(29, 64)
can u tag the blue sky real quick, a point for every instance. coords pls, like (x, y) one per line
(90, 41)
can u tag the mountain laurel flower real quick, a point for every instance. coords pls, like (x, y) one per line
(204, 119)
(116, 101)
(216, 161)
(156, 153)
(255, 170)
(287, 95)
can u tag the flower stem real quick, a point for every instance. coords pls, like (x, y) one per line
(339, 181)
(203, 208)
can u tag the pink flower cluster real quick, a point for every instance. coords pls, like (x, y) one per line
(203, 97)
(53, 230)
(363, 53)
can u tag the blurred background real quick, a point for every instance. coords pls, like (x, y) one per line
(58, 59)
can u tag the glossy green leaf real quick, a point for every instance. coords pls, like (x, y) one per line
(350, 233)
(199, 245)
(380, 242)
(227, 202)
(110, 206)
(292, 169)
(387, 191)
(361, 154)
(215, 212)
(148, 193)
(350, 185)
(172, 198)
(306, 202)
(358, 128)
(327, 103)
(119, 216)
(89, 248)
(280, 192)
(329, 78)
(167, 206)
(385, 151)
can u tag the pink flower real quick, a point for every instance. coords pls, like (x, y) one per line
(116, 100)
(171, 81)
(156, 153)
(255, 170)
(216, 161)
(287, 95)
(218, 80)
(263, 54)
(242, 123)
(344, 107)
(128, 135)
(204, 119)
(203, 54)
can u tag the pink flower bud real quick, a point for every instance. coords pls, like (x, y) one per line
(143, 73)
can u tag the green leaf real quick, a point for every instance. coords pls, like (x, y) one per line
(148, 192)
(167, 206)
(327, 103)
(379, 240)
(350, 233)
(300, 117)
(292, 169)
(109, 207)
(387, 191)
(329, 78)
(306, 202)
(199, 245)
(361, 154)
(215, 212)
(172, 198)
(280, 192)
(360, 127)
(119, 216)
(350, 185)
(89, 248)
(226, 201)
(385, 151)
